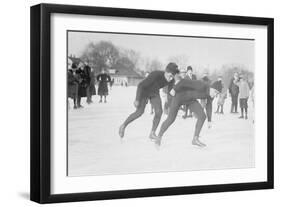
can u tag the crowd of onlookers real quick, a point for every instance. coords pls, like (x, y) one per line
(239, 90)
(81, 82)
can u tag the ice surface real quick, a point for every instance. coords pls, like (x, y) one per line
(94, 146)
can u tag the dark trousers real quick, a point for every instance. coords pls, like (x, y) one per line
(89, 94)
(157, 107)
(193, 105)
(234, 103)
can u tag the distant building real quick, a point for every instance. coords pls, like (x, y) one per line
(125, 76)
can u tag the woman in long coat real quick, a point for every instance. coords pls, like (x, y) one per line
(72, 87)
(83, 84)
(103, 80)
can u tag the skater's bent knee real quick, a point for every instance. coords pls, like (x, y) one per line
(158, 113)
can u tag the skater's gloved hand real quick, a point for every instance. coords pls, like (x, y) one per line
(136, 103)
(172, 92)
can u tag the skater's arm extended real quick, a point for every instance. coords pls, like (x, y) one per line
(149, 80)
(190, 84)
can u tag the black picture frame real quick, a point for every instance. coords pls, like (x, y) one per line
(40, 175)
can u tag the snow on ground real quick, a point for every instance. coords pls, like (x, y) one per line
(94, 147)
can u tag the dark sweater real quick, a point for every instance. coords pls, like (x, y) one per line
(151, 85)
(187, 84)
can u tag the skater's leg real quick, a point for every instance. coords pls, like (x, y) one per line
(139, 111)
(198, 110)
(209, 111)
(157, 106)
(173, 111)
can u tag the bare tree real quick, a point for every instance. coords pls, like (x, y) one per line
(102, 55)
(180, 60)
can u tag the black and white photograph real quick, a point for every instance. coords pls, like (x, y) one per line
(155, 103)
(129, 103)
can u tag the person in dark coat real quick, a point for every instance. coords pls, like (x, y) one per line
(234, 92)
(92, 88)
(187, 92)
(103, 80)
(189, 75)
(87, 72)
(148, 89)
(83, 84)
(72, 87)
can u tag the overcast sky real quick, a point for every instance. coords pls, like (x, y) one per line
(201, 52)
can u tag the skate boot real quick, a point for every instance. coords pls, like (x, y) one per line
(157, 142)
(122, 131)
(197, 142)
(152, 135)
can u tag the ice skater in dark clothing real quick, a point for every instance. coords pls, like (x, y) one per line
(103, 80)
(148, 89)
(186, 92)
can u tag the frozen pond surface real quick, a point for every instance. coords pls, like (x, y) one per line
(94, 147)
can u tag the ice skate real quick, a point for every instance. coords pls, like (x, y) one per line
(122, 131)
(152, 135)
(196, 142)
(157, 142)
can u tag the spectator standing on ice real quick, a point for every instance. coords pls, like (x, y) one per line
(244, 93)
(83, 84)
(221, 100)
(72, 87)
(234, 92)
(103, 78)
(221, 96)
(92, 88)
(87, 71)
(188, 75)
